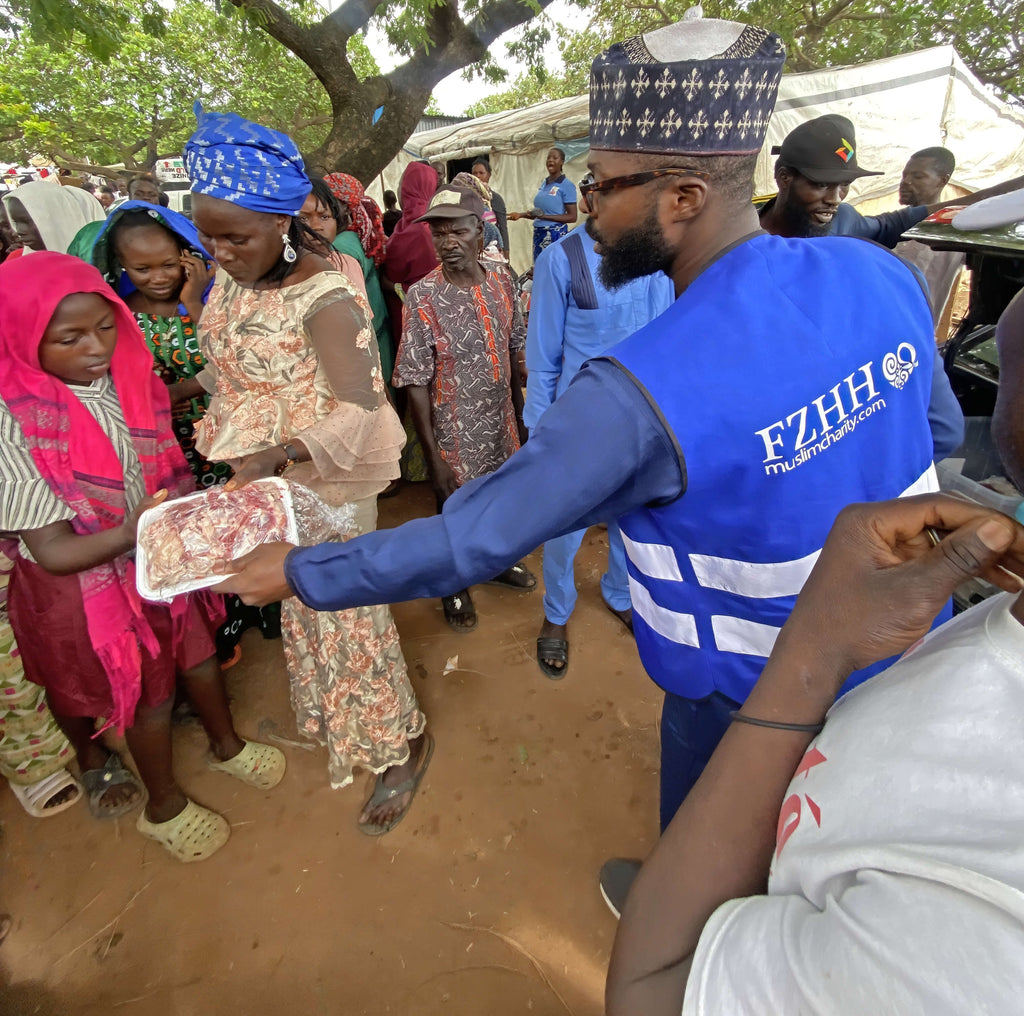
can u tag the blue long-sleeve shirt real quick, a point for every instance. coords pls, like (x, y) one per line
(573, 318)
(601, 450)
(945, 417)
(885, 228)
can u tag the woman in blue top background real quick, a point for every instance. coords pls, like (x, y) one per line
(554, 207)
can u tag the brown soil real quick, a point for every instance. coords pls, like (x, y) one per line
(483, 901)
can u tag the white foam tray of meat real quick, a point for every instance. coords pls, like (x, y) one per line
(183, 544)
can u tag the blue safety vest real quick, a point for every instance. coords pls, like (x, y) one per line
(794, 376)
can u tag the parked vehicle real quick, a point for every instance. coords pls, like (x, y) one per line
(995, 260)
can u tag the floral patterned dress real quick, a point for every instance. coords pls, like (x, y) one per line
(271, 383)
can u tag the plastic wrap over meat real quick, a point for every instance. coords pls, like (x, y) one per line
(184, 544)
(316, 521)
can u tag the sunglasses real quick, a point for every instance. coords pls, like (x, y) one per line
(588, 185)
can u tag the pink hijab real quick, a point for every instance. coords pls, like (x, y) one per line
(78, 460)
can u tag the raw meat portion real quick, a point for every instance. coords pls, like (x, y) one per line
(192, 537)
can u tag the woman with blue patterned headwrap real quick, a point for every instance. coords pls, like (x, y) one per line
(296, 385)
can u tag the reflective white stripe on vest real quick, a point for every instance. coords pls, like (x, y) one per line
(676, 627)
(782, 578)
(926, 483)
(745, 578)
(653, 559)
(735, 635)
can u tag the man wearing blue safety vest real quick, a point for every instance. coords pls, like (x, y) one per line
(789, 378)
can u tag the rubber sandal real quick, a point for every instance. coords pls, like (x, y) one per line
(113, 774)
(260, 765)
(518, 577)
(553, 649)
(457, 606)
(195, 834)
(33, 796)
(618, 617)
(382, 794)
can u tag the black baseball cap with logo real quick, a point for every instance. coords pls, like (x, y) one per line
(824, 150)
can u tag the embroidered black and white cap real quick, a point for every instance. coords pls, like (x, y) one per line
(698, 87)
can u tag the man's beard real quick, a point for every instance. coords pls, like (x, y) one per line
(642, 251)
(798, 221)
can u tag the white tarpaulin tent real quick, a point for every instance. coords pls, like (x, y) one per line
(898, 105)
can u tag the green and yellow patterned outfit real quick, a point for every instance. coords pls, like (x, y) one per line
(175, 348)
(32, 746)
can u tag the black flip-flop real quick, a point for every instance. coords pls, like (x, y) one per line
(518, 577)
(553, 649)
(456, 607)
(618, 616)
(381, 793)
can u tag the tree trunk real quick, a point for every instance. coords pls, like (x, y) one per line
(355, 144)
(358, 146)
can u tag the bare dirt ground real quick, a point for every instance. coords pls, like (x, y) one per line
(483, 901)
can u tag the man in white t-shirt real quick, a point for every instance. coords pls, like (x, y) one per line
(890, 843)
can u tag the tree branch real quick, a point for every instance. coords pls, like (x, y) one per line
(656, 8)
(351, 16)
(834, 14)
(279, 24)
(324, 52)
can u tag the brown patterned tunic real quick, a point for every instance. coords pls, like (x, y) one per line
(457, 342)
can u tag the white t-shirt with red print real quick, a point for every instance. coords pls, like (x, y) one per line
(898, 879)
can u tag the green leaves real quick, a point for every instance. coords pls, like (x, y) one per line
(99, 26)
(988, 34)
(138, 105)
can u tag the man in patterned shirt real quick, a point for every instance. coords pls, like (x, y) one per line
(461, 335)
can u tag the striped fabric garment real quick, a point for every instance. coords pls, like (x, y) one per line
(26, 500)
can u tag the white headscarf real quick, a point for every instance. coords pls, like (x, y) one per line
(57, 212)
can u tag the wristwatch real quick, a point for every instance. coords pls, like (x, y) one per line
(292, 456)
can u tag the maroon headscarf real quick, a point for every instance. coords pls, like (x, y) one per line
(411, 252)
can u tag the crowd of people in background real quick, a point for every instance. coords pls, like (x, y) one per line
(679, 379)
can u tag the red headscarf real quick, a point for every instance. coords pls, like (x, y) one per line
(76, 457)
(349, 191)
(411, 252)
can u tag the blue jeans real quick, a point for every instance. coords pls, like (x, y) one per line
(560, 579)
(690, 732)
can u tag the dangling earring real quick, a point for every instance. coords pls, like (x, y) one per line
(289, 250)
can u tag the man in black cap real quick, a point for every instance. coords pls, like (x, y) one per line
(824, 149)
(461, 339)
(724, 436)
(816, 165)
